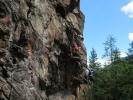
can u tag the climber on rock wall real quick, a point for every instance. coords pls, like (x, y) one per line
(88, 74)
(75, 48)
(91, 73)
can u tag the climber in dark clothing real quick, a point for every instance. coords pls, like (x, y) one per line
(88, 74)
(91, 72)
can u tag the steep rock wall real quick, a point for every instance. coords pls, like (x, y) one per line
(42, 54)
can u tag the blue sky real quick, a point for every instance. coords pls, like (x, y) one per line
(104, 17)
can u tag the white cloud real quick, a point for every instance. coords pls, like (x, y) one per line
(130, 36)
(103, 62)
(123, 54)
(128, 9)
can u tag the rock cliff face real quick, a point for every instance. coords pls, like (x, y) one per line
(42, 54)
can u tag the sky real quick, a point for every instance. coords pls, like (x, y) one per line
(105, 17)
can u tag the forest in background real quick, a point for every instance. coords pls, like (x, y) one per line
(114, 80)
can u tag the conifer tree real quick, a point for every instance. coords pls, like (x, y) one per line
(93, 59)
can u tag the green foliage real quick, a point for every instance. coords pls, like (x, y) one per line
(130, 54)
(114, 82)
(116, 56)
(93, 59)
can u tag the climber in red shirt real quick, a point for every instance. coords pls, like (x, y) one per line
(75, 48)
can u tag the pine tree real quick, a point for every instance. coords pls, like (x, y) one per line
(116, 55)
(130, 53)
(93, 59)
